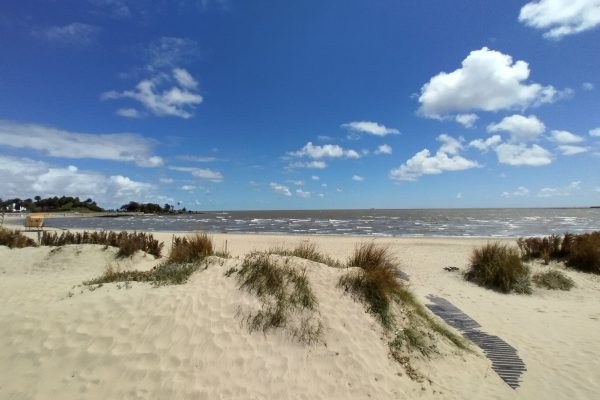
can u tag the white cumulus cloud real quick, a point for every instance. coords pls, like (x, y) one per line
(559, 18)
(384, 149)
(595, 132)
(424, 163)
(307, 164)
(62, 143)
(488, 80)
(164, 95)
(467, 120)
(281, 189)
(486, 144)
(357, 178)
(565, 137)
(326, 151)
(24, 177)
(372, 128)
(571, 150)
(202, 173)
(520, 127)
(522, 154)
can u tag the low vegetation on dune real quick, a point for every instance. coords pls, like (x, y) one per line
(553, 279)
(499, 267)
(127, 242)
(287, 299)
(308, 251)
(192, 248)
(15, 239)
(581, 252)
(166, 273)
(546, 248)
(374, 282)
(185, 258)
(585, 253)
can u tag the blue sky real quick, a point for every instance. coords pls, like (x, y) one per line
(256, 104)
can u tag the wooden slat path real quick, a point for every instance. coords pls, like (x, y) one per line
(504, 357)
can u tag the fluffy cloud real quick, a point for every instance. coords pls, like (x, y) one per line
(61, 143)
(450, 145)
(73, 34)
(595, 132)
(560, 191)
(571, 150)
(384, 149)
(565, 137)
(488, 80)
(521, 154)
(23, 177)
(520, 128)
(467, 120)
(520, 192)
(307, 164)
(202, 173)
(560, 18)
(281, 189)
(486, 144)
(178, 100)
(326, 151)
(423, 163)
(357, 178)
(188, 188)
(372, 128)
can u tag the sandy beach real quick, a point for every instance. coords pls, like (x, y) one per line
(60, 339)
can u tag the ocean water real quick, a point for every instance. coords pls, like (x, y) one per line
(427, 222)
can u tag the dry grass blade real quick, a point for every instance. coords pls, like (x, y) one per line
(499, 267)
(15, 239)
(308, 251)
(286, 296)
(553, 280)
(190, 249)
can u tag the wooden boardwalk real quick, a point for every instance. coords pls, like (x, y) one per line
(504, 357)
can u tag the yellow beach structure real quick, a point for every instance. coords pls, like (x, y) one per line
(35, 221)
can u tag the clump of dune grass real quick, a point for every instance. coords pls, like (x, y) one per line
(584, 254)
(499, 267)
(286, 296)
(127, 242)
(374, 282)
(166, 273)
(553, 279)
(546, 248)
(192, 248)
(308, 251)
(133, 242)
(15, 239)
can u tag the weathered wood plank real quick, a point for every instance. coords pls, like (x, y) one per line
(505, 360)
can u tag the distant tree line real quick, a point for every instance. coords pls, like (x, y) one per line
(37, 204)
(150, 208)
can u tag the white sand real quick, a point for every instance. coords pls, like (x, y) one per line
(59, 340)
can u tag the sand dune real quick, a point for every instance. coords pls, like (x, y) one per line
(59, 339)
